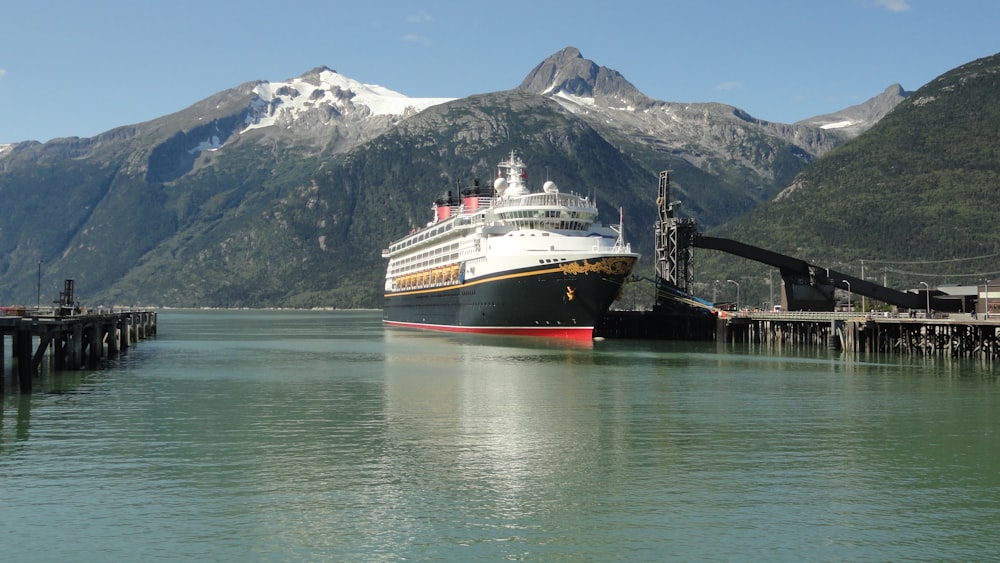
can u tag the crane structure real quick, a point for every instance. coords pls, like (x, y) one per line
(806, 287)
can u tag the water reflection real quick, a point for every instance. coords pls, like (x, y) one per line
(496, 420)
(308, 435)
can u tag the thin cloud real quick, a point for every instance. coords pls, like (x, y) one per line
(3, 71)
(421, 17)
(414, 38)
(894, 5)
(731, 85)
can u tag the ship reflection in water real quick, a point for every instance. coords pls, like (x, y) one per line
(323, 435)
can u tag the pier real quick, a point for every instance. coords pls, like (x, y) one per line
(954, 335)
(960, 324)
(69, 339)
(951, 335)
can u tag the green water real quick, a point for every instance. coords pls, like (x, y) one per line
(322, 436)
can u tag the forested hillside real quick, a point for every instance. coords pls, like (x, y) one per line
(916, 197)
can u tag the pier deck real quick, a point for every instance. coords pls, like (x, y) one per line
(75, 341)
(953, 335)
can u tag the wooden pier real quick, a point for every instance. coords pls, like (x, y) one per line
(948, 335)
(956, 336)
(80, 340)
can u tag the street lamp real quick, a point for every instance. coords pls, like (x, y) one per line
(927, 290)
(849, 309)
(770, 288)
(987, 307)
(737, 293)
(863, 306)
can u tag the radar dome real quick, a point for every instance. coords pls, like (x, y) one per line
(550, 187)
(500, 184)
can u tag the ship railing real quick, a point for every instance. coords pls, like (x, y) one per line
(545, 199)
(616, 248)
(427, 236)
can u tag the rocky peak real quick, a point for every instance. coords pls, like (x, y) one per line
(854, 120)
(567, 74)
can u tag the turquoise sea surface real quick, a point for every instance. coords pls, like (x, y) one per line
(323, 436)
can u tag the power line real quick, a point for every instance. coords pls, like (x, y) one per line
(931, 261)
(932, 275)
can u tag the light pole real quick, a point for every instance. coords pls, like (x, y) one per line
(715, 290)
(849, 310)
(863, 306)
(737, 284)
(38, 296)
(927, 291)
(770, 289)
(987, 307)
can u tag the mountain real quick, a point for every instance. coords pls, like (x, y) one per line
(857, 119)
(283, 194)
(723, 160)
(568, 75)
(913, 199)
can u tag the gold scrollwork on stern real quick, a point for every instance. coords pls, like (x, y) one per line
(613, 266)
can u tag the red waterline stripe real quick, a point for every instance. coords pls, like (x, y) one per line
(573, 333)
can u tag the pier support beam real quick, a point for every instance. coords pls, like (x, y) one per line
(22, 346)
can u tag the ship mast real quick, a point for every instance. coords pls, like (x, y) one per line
(516, 173)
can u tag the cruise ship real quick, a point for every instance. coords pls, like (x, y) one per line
(503, 259)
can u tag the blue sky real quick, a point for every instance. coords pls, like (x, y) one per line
(78, 68)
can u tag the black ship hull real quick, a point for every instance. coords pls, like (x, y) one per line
(564, 300)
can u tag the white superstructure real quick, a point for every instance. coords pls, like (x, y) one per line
(506, 227)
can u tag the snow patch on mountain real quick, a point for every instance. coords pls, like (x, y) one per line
(838, 125)
(213, 143)
(327, 89)
(579, 100)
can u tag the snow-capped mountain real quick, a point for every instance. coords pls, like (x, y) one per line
(321, 107)
(279, 192)
(702, 134)
(568, 76)
(327, 95)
